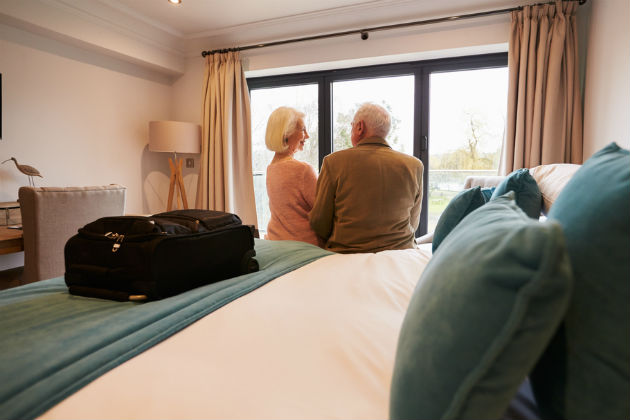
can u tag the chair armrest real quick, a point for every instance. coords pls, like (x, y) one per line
(487, 181)
(425, 239)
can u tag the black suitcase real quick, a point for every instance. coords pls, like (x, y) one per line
(153, 257)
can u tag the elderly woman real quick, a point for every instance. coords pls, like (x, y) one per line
(290, 183)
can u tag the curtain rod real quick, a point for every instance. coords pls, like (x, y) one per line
(365, 32)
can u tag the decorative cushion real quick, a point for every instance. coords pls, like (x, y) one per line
(463, 203)
(481, 315)
(528, 195)
(585, 372)
(487, 193)
(551, 179)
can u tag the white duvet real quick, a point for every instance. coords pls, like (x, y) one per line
(317, 343)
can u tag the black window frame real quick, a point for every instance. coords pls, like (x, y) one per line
(421, 70)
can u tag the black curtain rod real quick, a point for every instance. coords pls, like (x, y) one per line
(365, 32)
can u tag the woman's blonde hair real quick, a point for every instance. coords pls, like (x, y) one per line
(281, 124)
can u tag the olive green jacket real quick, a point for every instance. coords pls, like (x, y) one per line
(368, 198)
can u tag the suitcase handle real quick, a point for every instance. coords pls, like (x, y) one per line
(105, 294)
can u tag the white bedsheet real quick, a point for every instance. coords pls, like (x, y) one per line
(316, 343)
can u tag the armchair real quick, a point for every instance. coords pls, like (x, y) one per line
(51, 215)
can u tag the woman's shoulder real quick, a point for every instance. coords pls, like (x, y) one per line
(307, 169)
(294, 164)
(291, 166)
(305, 165)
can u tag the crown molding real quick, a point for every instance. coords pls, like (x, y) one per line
(94, 26)
(127, 11)
(123, 21)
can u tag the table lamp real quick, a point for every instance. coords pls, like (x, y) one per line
(175, 137)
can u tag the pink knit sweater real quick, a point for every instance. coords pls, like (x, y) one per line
(291, 190)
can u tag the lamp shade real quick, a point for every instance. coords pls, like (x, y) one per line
(174, 136)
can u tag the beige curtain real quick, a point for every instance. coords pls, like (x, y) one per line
(226, 181)
(544, 122)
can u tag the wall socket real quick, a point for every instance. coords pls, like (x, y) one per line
(190, 162)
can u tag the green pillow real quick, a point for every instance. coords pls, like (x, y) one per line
(461, 205)
(487, 193)
(528, 196)
(585, 372)
(481, 315)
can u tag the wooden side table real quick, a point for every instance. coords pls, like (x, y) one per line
(6, 207)
(11, 240)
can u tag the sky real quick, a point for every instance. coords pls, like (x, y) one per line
(482, 92)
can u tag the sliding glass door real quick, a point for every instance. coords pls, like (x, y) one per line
(441, 110)
(394, 93)
(467, 117)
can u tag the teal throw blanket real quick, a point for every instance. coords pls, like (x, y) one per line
(53, 343)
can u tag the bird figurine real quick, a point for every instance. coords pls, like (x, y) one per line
(26, 170)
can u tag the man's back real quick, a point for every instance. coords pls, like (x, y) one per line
(368, 199)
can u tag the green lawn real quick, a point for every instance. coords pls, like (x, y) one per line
(438, 200)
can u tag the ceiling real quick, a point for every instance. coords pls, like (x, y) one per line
(159, 35)
(199, 18)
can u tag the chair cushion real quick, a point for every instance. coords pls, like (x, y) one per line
(483, 181)
(481, 315)
(459, 207)
(51, 215)
(585, 372)
(551, 179)
(528, 195)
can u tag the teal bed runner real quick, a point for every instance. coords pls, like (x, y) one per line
(53, 343)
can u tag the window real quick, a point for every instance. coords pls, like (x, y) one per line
(441, 111)
(467, 117)
(394, 93)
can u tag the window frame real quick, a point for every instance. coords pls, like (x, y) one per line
(421, 70)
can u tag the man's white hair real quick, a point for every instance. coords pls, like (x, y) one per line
(376, 118)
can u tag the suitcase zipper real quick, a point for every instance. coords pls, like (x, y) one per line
(198, 222)
(118, 238)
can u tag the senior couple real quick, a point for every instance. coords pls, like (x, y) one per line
(366, 198)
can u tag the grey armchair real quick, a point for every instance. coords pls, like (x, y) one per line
(487, 181)
(50, 216)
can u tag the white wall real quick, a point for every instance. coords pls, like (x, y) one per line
(76, 122)
(607, 85)
(80, 119)
(474, 36)
(187, 106)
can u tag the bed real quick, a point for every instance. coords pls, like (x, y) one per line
(244, 359)
(320, 335)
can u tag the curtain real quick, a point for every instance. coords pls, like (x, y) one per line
(544, 121)
(226, 182)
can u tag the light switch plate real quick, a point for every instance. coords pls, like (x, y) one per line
(190, 162)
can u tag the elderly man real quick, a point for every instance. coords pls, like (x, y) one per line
(368, 197)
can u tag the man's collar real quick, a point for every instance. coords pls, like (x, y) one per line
(374, 141)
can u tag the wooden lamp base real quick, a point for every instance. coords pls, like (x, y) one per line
(177, 185)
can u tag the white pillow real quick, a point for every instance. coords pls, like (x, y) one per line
(551, 179)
